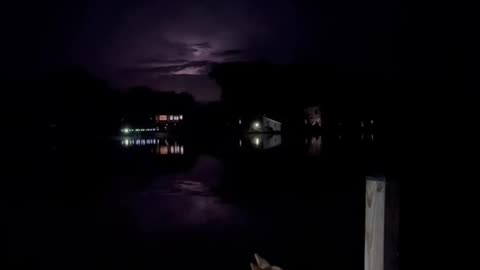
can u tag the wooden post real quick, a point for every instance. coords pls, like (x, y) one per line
(374, 223)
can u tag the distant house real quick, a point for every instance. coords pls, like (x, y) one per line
(313, 116)
(167, 122)
(261, 124)
(168, 118)
(151, 123)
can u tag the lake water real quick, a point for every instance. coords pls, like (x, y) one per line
(180, 203)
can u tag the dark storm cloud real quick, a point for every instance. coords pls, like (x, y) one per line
(230, 53)
(181, 68)
(203, 45)
(149, 39)
(153, 62)
(181, 38)
(193, 68)
(205, 89)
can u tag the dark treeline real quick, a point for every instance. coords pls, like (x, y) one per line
(399, 101)
(284, 91)
(140, 104)
(74, 103)
(71, 101)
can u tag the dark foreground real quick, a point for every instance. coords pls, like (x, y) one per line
(166, 203)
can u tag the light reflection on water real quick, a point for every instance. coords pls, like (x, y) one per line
(255, 141)
(314, 145)
(262, 141)
(183, 199)
(158, 146)
(225, 194)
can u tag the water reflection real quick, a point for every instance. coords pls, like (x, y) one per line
(314, 145)
(183, 199)
(237, 201)
(158, 146)
(226, 195)
(263, 141)
(368, 137)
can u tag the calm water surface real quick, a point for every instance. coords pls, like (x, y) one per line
(159, 202)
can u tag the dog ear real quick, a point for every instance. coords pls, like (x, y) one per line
(261, 262)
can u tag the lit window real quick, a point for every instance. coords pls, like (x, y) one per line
(163, 118)
(180, 117)
(171, 117)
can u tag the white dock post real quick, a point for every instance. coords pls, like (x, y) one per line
(374, 223)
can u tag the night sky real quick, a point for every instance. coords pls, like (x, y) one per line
(169, 45)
